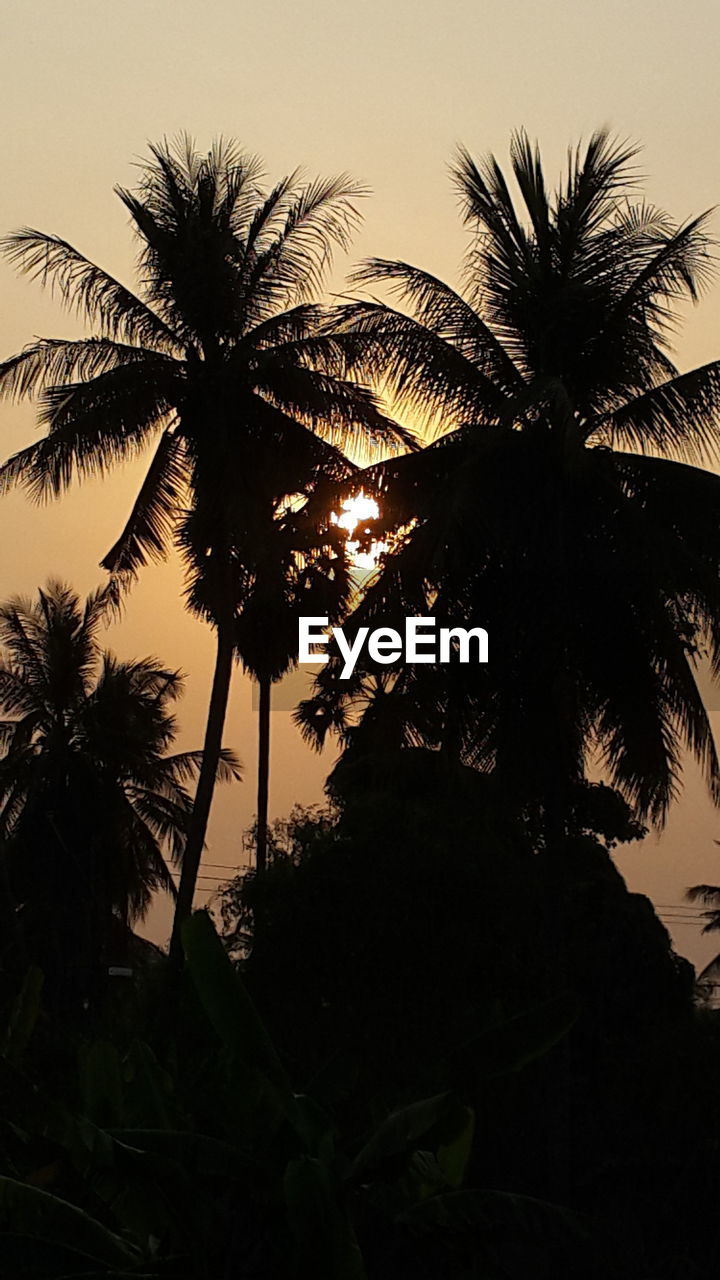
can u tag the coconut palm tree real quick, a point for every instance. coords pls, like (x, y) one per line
(709, 896)
(92, 806)
(558, 508)
(221, 358)
(292, 561)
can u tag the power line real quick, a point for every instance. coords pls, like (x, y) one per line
(202, 876)
(683, 915)
(219, 866)
(669, 913)
(682, 906)
(681, 911)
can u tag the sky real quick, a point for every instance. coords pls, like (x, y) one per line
(386, 91)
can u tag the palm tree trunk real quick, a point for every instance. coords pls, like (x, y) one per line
(451, 743)
(13, 952)
(206, 784)
(265, 688)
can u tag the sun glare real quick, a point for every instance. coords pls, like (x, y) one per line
(354, 511)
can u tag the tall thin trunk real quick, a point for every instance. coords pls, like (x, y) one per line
(13, 951)
(451, 742)
(265, 688)
(205, 787)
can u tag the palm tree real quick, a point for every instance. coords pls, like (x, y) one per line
(709, 896)
(558, 509)
(220, 357)
(91, 804)
(292, 561)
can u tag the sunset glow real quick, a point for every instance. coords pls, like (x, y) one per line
(359, 874)
(354, 511)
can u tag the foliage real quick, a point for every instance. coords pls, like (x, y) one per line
(438, 1037)
(414, 941)
(709, 895)
(221, 356)
(94, 809)
(289, 841)
(222, 360)
(556, 509)
(149, 1177)
(403, 914)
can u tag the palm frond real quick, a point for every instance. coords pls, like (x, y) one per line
(167, 821)
(336, 409)
(92, 426)
(292, 326)
(423, 374)
(287, 455)
(487, 204)
(23, 636)
(598, 180)
(680, 417)
(447, 314)
(709, 894)
(321, 218)
(87, 289)
(185, 766)
(677, 264)
(49, 362)
(150, 524)
(17, 696)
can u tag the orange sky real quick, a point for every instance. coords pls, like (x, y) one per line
(384, 90)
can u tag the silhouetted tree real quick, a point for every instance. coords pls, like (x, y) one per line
(546, 512)
(709, 896)
(91, 803)
(290, 562)
(221, 356)
(390, 923)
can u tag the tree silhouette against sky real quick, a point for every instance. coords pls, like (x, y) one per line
(93, 808)
(221, 359)
(557, 507)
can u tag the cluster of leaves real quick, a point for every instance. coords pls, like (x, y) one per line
(546, 511)
(212, 1163)
(94, 804)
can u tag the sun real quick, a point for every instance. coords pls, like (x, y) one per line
(353, 512)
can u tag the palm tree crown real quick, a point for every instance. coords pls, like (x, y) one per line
(567, 314)
(223, 356)
(219, 353)
(544, 512)
(92, 806)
